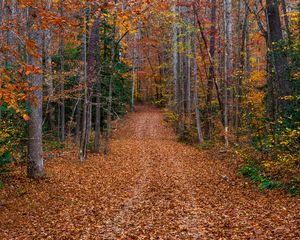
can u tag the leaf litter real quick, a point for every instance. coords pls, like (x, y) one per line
(149, 187)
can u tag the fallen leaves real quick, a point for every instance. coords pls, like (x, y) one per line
(150, 187)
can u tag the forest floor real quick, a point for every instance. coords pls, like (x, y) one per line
(150, 187)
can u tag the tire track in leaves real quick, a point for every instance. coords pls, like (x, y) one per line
(116, 225)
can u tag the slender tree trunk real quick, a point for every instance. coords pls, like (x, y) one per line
(248, 53)
(133, 74)
(12, 38)
(272, 102)
(196, 98)
(62, 79)
(286, 21)
(78, 121)
(227, 64)
(175, 61)
(133, 87)
(98, 90)
(109, 114)
(210, 84)
(180, 85)
(35, 166)
(241, 74)
(109, 108)
(83, 138)
(49, 72)
(189, 82)
(98, 116)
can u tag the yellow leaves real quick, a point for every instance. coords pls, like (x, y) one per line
(91, 22)
(4, 134)
(253, 60)
(257, 76)
(296, 74)
(55, 2)
(295, 16)
(123, 16)
(288, 98)
(25, 117)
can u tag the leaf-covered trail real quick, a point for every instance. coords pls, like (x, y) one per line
(150, 187)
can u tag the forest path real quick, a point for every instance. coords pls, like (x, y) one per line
(149, 187)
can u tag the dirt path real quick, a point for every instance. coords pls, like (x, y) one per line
(150, 187)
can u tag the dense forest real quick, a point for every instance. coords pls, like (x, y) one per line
(224, 74)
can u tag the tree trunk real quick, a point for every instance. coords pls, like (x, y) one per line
(210, 83)
(189, 82)
(98, 98)
(286, 21)
(83, 137)
(108, 124)
(62, 79)
(109, 107)
(35, 166)
(196, 98)
(133, 75)
(227, 64)
(276, 56)
(90, 72)
(98, 116)
(49, 72)
(175, 61)
(78, 121)
(241, 75)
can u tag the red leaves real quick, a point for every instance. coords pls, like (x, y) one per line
(26, 117)
(30, 69)
(15, 90)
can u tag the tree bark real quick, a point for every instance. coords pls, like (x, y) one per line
(278, 60)
(133, 74)
(227, 64)
(97, 67)
(62, 79)
(35, 167)
(109, 108)
(175, 61)
(49, 72)
(189, 81)
(98, 115)
(210, 82)
(83, 137)
(241, 74)
(286, 21)
(196, 97)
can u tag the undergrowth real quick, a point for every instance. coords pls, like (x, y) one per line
(255, 174)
